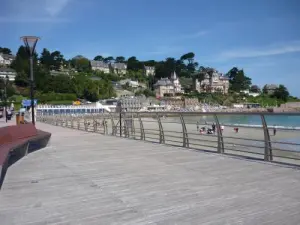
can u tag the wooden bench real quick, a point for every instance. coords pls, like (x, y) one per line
(16, 142)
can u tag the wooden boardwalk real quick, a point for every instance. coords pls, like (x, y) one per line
(87, 178)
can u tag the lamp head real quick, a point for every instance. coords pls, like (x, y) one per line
(30, 43)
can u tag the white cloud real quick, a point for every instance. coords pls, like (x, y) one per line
(34, 11)
(272, 50)
(54, 7)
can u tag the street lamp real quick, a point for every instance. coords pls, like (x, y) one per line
(6, 80)
(30, 43)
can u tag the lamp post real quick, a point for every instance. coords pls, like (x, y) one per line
(30, 44)
(6, 80)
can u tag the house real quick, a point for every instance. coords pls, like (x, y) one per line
(6, 59)
(176, 82)
(168, 87)
(149, 71)
(95, 78)
(116, 85)
(270, 88)
(124, 93)
(8, 72)
(131, 83)
(215, 83)
(61, 72)
(100, 66)
(119, 68)
(247, 92)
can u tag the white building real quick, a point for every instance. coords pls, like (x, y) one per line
(166, 86)
(6, 59)
(100, 66)
(250, 93)
(8, 72)
(119, 68)
(176, 82)
(131, 83)
(149, 71)
(215, 83)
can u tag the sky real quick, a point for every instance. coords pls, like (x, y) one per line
(260, 36)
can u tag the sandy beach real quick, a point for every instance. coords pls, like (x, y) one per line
(248, 141)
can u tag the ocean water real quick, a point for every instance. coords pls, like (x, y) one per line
(283, 122)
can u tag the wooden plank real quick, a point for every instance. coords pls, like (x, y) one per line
(87, 178)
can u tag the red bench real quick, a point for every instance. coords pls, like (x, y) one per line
(16, 142)
(14, 133)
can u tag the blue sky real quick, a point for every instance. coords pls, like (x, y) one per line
(260, 36)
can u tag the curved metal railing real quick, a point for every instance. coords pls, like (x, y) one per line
(183, 129)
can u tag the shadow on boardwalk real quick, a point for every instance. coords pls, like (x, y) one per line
(87, 178)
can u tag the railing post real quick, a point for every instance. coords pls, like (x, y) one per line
(113, 125)
(141, 127)
(120, 121)
(268, 155)
(161, 130)
(95, 124)
(185, 136)
(85, 124)
(132, 125)
(126, 129)
(220, 135)
(105, 126)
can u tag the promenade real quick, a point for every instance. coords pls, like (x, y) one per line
(88, 178)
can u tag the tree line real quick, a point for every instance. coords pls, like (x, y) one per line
(74, 75)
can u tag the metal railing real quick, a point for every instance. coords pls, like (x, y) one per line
(183, 129)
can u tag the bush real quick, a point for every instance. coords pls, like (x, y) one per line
(48, 97)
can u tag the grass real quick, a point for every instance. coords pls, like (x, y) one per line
(64, 102)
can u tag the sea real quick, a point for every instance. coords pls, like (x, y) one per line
(280, 121)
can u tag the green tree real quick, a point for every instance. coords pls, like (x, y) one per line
(188, 57)
(134, 65)
(5, 50)
(22, 79)
(281, 93)
(91, 91)
(57, 60)
(120, 59)
(109, 59)
(150, 63)
(255, 89)
(21, 62)
(99, 58)
(45, 59)
(81, 64)
(238, 80)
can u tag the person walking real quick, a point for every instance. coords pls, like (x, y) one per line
(274, 130)
(197, 126)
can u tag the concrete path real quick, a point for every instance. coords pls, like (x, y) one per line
(86, 178)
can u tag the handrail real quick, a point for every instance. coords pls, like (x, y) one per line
(134, 126)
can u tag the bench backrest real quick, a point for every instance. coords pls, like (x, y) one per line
(13, 133)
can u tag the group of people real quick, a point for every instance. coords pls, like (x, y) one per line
(211, 130)
(8, 112)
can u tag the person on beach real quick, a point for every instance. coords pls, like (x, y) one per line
(197, 126)
(213, 126)
(274, 130)
(222, 128)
